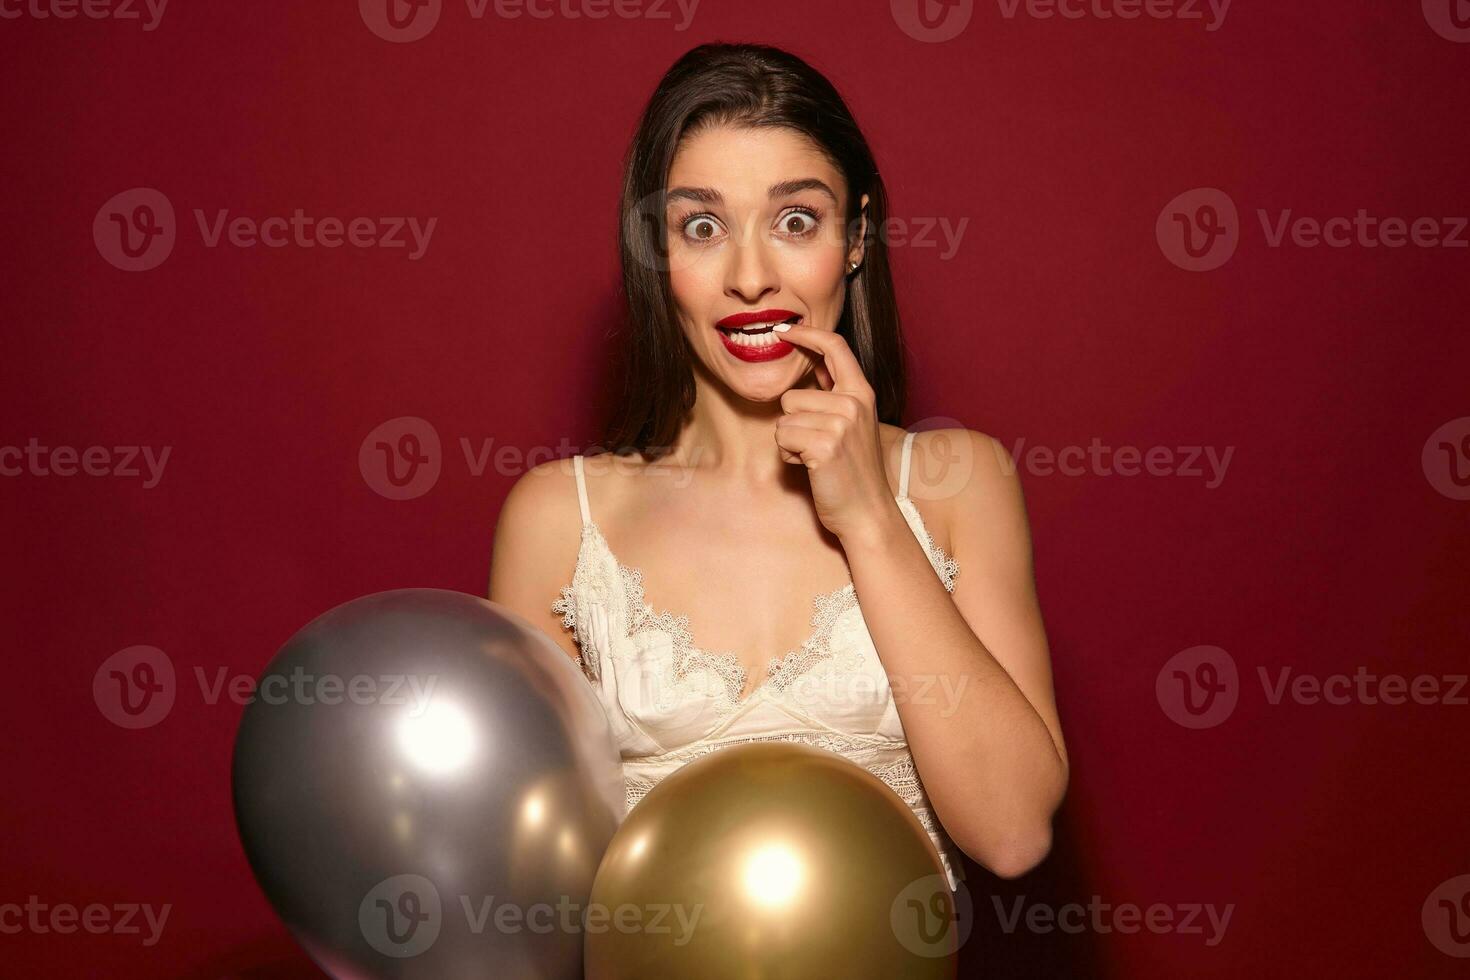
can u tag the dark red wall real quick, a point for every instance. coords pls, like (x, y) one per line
(1335, 542)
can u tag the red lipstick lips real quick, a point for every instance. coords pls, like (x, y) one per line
(756, 341)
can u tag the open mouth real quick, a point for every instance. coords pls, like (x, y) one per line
(756, 335)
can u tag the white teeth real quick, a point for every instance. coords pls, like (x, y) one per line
(756, 335)
(753, 340)
(756, 328)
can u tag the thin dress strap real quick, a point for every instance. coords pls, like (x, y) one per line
(903, 467)
(581, 491)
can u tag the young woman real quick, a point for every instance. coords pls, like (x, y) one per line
(752, 561)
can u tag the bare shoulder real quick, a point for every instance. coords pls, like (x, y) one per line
(970, 480)
(547, 493)
(536, 542)
(540, 499)
(620, 484)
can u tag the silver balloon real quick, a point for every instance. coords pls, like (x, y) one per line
(424, 785)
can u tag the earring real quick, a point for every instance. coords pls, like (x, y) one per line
(852, 266)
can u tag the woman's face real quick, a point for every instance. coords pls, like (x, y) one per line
(755, 224)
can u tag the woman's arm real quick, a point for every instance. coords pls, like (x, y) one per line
(971, 674)
(535, 547)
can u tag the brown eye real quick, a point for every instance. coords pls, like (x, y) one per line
(701, 228)
(798, 223)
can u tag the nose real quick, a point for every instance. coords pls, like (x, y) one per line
(751, 271)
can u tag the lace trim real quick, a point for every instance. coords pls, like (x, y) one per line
(944, 566)
(829, 607)
(780, 670)
(567, 606)
(688, 658)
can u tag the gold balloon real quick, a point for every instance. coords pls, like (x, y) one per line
(770, 861)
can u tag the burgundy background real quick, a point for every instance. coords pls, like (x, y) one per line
(1058, 320)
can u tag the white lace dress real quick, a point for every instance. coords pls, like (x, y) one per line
(669, 701)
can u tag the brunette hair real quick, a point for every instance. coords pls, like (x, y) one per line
(742, 85)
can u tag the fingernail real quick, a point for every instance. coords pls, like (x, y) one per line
(781, 327)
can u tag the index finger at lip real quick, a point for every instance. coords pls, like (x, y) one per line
(841, 363)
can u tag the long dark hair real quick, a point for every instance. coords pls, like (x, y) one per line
(742, 85)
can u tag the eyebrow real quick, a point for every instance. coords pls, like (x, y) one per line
(708, 195)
